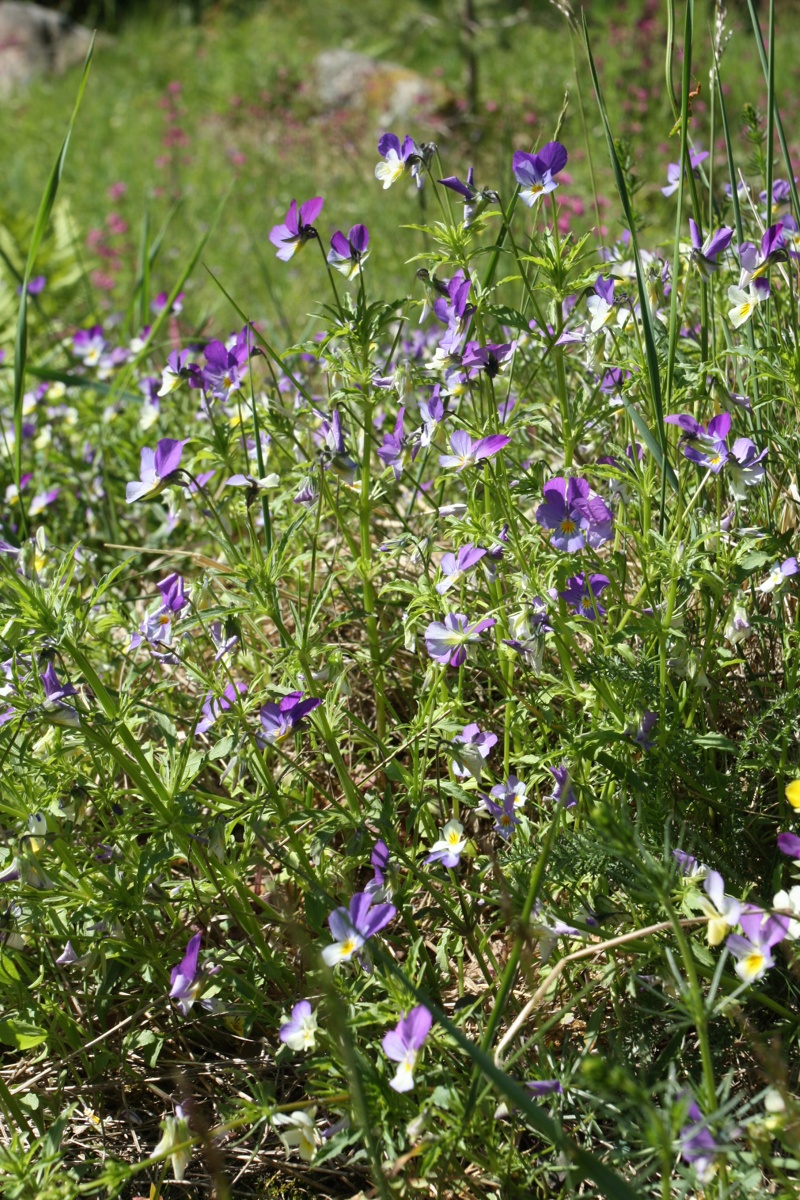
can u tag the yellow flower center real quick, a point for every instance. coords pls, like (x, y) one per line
(568, 525)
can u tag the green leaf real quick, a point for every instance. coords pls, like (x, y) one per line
(20, 1034)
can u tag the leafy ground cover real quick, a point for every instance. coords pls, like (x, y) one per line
(398, 728)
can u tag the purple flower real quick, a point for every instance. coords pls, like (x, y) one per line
(353, 927)
(399, 158)
(646, 725)
(536, 173)
(756, 261)
(224, 372)
(397, 449)
(281, 719)
(562, 792)
(674, 171)
(334, 456)
(347, 254)
(447, 640)
(186, 979)
(560, 512)
(403, 1043)
(789, 844)
(545, 1087)
(505, 816)
(379, 860)
(214, 708)
(528, 628)
(178, 369)
(753, 947)
(471, 749)
(710, 449)
(778, 575)
(466, 452)
(489, 358)
(298, 1033)
(581, 594)
(697, 1146)
(687, 864)
(297, 229)
(157, 470)
(55, 710)
(173, 592)
(455, 566)
(450, 846)
(223, 644)
(89, 345)
(745, 466)
(475, 201)
(35, 286)
(513, 790)
(705, 253)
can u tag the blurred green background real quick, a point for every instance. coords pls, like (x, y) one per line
(188, 99)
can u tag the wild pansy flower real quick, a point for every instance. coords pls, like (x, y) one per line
(177, 370)
(455, 566)
(297, 228)
(688, 865)
(397, 450)
(466, 452)
(224, 372)
(528, 628)
(789, 844)
(778, 575)
(380, 859)
(299, 1032)
(513, 790)
(723, 911)
(403, 1044)
(334, 456)
(490, 358)
(399, 158)
(537, 1087)
(646, 725)
(281, 719)
(792, 793)
(54, 710)
(601, 303)
(705, 253)
(475, 200)
(254, 486)
(158, 468)
(353, 927)
(223, 642)
(745, 467)
(753, 947)
(582, 595)
(348, 254)
(574, 515)
(447, 640)
(450, 846)
(89, 345)
(505, 817)
(562, 792)
(174, 1132)
(738, 626)
(697, 1146)
(713, 447)
(300, 1132)
(186, 980)
(452, 307)
(674, 171)
(214, 707)
(535, 173)
(756, 261)
(744, 303)
(434, 290)
(471, 748)
(788, 904)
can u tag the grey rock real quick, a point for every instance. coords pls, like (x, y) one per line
(344, 79)
(37, 41)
